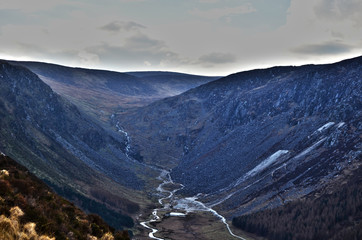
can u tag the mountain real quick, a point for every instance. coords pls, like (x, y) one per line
(256, 139)
(30, 208)
(103, 93)
(252, 145)
(59, 144)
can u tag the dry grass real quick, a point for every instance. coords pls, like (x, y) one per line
(4, 173)
(12, 229)
(41, 214)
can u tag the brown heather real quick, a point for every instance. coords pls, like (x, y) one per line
(11, 228)
(29, 210)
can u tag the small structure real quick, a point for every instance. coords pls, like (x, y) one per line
(175, 214)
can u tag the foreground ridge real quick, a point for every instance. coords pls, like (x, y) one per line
(30, 210)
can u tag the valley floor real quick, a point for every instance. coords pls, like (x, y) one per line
(198, 226)
(183, 218)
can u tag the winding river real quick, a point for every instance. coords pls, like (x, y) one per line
(173, 205)
(176, 206)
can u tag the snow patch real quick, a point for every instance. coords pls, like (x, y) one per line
(2, 154)
(325, 127)
(266, 163)
(302, 154)
(341, 124)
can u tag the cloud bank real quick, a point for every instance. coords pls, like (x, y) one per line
(209, 37)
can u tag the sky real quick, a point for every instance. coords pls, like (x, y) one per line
(208, 37)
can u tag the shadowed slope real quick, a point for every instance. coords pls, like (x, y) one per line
(63, 147)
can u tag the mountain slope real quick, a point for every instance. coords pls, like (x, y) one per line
(28, 201)
(256, 139)
(103, 93)
(60, 145)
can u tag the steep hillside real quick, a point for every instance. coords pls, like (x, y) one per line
(256, 139)
(103, 93)
(29, 209)
(336, 210)
(60, 145)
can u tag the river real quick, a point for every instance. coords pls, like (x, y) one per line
(177, 206)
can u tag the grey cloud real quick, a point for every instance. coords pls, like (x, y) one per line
(217, 13)
(208, 1)
(25, 49)
(117, 26)
(217, 58)
(134, 55)
(328, 48)
(141, 41)
(339, 9)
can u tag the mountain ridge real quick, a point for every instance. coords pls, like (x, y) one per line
(102, 93)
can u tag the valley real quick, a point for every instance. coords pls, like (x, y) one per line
(177, 156)
(104, 93)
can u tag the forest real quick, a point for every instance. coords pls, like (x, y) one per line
(334, 213)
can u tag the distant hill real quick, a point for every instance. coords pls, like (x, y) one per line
(29, 208)
(102, 93)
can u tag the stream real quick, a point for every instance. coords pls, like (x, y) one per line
(174, 206)
(178, 207)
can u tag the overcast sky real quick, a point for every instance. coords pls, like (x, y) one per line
(210, 37)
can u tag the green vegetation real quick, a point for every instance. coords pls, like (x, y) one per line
(114, 218)
(30, 210)
(335, 214)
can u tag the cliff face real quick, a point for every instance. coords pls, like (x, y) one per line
(256, 139)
